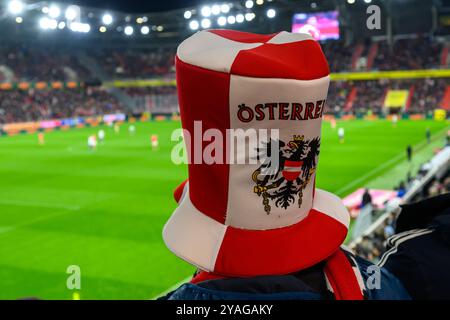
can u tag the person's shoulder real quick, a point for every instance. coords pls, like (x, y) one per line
(190, 291)
(378, 282)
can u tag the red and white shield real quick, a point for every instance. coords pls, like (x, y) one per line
(292, 169)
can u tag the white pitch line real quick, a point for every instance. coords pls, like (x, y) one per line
(7, 229)
(382, 166)
(369, 174)
(25, 203)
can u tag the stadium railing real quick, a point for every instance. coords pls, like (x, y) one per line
(439, 165)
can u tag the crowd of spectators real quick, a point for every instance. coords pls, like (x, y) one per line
(37, 63)
(337, 96)
(33, 63)
(339, 55)
(426, 95)
(408, 54)
(34, 105)
(136, 63)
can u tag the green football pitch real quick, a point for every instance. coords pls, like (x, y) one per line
(62, 204)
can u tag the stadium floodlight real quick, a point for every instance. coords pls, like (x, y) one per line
(259, 2)
(52, 24)
(102, 29)
(107, 19)
(225, 8)
(240, 18)
(145, 30)
(128, 30)
(45, 10)
(72, 12)
(206, 11)
(206, 23)
(61, 25)
(54, 11)
(367, 1)
(350, 1)
(15, 6)
(231, 19)
(44, 23)
(80, 27)
(249, 16)
(249, 4)
(222, 21)
(271, 13)
(187, 14)
(19, 19)
(215, 9)
(193, 25)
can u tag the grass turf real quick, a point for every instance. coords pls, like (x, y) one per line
(61, 204)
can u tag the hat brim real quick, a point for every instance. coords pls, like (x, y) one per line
(215, 247)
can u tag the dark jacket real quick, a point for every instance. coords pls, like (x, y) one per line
(309, 284)
(419, 255)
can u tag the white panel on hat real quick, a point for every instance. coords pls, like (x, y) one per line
(245, 208)
(193, 236)
(210, 51)
(287, 37)
(331, 205)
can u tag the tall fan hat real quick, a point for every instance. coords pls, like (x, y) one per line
(238, 219)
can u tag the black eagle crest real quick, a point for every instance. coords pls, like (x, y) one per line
(283, 177)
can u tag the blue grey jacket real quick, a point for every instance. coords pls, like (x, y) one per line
(308, 284)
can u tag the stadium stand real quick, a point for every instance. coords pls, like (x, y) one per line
(42, 64)
(408, 54)
(137, 63)
(425, 95)
(432, 179)
(33, 105)
(345, 97)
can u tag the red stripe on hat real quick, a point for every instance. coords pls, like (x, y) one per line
(205, 276)
(280, 251)
(244, 37)
(204, 96)
(178, 192)
(301, 60)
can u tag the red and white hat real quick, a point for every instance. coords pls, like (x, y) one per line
(234, 219)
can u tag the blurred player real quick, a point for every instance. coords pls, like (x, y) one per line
(154, 141)
(394, 120)
(116, 127)
(131, 129)
(92, 142)
(101, 135)
(341, 134)
(41, 138)
(428, 135)
(333, 123)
